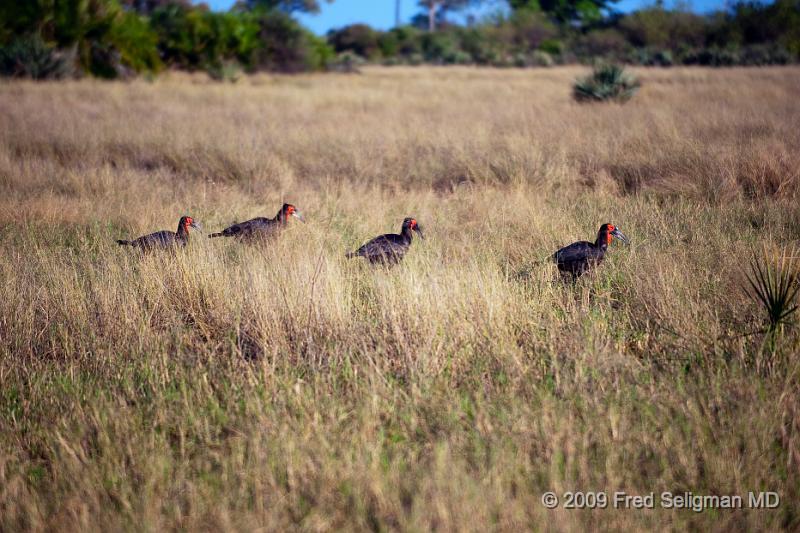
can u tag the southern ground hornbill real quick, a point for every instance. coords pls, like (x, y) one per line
(580, 257)
(389, 248)
(261, 227)
(163, 239)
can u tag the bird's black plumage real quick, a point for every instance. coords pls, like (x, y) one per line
(260, 227)
(391, 247)
(579, 257)
(163, 239)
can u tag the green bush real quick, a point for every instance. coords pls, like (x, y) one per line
(101, 37)
(653, 58)
(479, 45)
(319, 52)
(438, 47)
(229, 71)
(537, 58)
(713, 57)
(540, 58)
(347, 62)
(415, 59)
(504, 60)
(136, 42)
(194, 39)
(359, 39)
(404, 41)
(31, 57)
(608, 82)
(553, 47)
(284, 46)
(764, 54)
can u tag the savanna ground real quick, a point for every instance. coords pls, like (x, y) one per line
(285, 387)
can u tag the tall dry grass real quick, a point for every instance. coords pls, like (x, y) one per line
(284, 387)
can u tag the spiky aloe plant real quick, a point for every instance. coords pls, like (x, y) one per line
(774, 284)
(607, 82)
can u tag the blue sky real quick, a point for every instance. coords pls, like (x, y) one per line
(380, 13)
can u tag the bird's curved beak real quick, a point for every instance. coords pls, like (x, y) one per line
(621, 236)
(197, 226)
(298, 215)
(419, 230)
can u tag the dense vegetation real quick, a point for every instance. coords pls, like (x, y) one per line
(113, 38)
(747, 34)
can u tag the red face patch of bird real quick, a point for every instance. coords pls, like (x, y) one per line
(614, 231)
(608, 229)
(410, 224)
(290, 210)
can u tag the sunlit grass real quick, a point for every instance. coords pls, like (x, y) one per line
(284, 386)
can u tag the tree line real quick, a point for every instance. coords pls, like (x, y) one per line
(120, 38)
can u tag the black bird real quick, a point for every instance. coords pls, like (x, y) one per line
(579, 257)
(261, 227)
(389, 248)
(163, 239)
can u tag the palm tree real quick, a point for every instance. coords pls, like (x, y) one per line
(397, 13)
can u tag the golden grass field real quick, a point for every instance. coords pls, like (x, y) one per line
(233, 387)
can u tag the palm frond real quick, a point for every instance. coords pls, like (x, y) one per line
(774, 284)
(607, 82)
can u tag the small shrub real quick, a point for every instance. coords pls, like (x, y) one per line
(31, 57)
(540, 58)
(347, 62)
(402, 41)
(415, 59)
(438, 46)
(392, 61)
(713, 57)
(480, 47)
(537, 58)
(458, 57)
(225, 71)
(606, 83)
(553, 47)
(503, 61)
(757, 55)
(319, 52)
(652, 58)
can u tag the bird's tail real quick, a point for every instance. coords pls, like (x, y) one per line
(350, 255)
(123, 242)
(212, 235)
